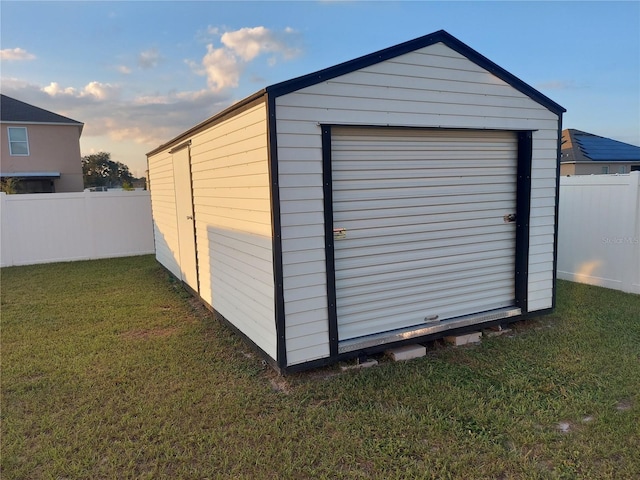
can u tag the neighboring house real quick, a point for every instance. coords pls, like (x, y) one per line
(40, 149)
(588, 154)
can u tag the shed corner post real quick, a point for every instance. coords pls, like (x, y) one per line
(327, 186)
(523, 214)
(276, 234)
(556, 212)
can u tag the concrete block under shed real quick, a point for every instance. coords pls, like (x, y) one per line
(459, 340)
(408, 352)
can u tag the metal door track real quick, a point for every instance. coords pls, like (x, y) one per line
(412, 332)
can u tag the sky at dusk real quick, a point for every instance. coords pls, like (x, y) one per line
(138, 73)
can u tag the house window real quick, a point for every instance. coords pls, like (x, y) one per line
(605, 169)
(18, 141)
(622, 169)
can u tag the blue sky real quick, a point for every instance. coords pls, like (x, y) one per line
(139, 73)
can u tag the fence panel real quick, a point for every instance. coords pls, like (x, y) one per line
(57, 227)
(599, 230)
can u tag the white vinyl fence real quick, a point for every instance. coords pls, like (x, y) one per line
(599, 230)
(58, 227)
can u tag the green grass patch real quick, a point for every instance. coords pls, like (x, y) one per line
(110, 370)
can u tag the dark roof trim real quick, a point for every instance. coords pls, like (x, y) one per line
(599, 162)
(31, 174)
(440, 36)
(25, 123)
(234, 109)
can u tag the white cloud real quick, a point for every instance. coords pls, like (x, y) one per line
(151, 100)
(100, 91)
(138, 134)
(222, 68)
(146, 120)
(54, 89)
(148, 58)
(172, 98)
(194, 96)
(248, 43)
(17, 54)
(123, 69)
(93, 90)
(14, 84)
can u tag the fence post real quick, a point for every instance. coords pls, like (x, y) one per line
(631, 279)
(6, 250)
(88, 224)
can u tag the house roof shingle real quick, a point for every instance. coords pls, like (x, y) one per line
(12, 110)
(579, 146)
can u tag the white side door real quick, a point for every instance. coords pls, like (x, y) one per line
(185, 220)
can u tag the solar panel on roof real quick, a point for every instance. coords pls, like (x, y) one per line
(606, 149)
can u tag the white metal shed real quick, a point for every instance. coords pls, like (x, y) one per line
(394, 198)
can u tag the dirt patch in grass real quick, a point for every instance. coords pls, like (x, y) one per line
(279, 384)
(624, 405)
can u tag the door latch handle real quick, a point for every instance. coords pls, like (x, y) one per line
(189, 217)
(509, 218)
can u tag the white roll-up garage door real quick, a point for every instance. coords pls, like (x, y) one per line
(420, 229)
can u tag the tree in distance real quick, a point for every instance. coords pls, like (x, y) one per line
(98, 170)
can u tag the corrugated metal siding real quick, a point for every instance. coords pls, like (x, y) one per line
(232, 210)
(425, 236)
(163, 208)
(432, 87)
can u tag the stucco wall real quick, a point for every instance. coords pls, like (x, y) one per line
(52, 148)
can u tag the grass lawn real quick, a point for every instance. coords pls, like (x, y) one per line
(110, 370)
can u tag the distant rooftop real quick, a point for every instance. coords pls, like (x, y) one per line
(579, 146)
(12, 110)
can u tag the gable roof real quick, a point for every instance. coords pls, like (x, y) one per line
(12, 110)
(320, 76)
(441, 36)
(579, 146)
